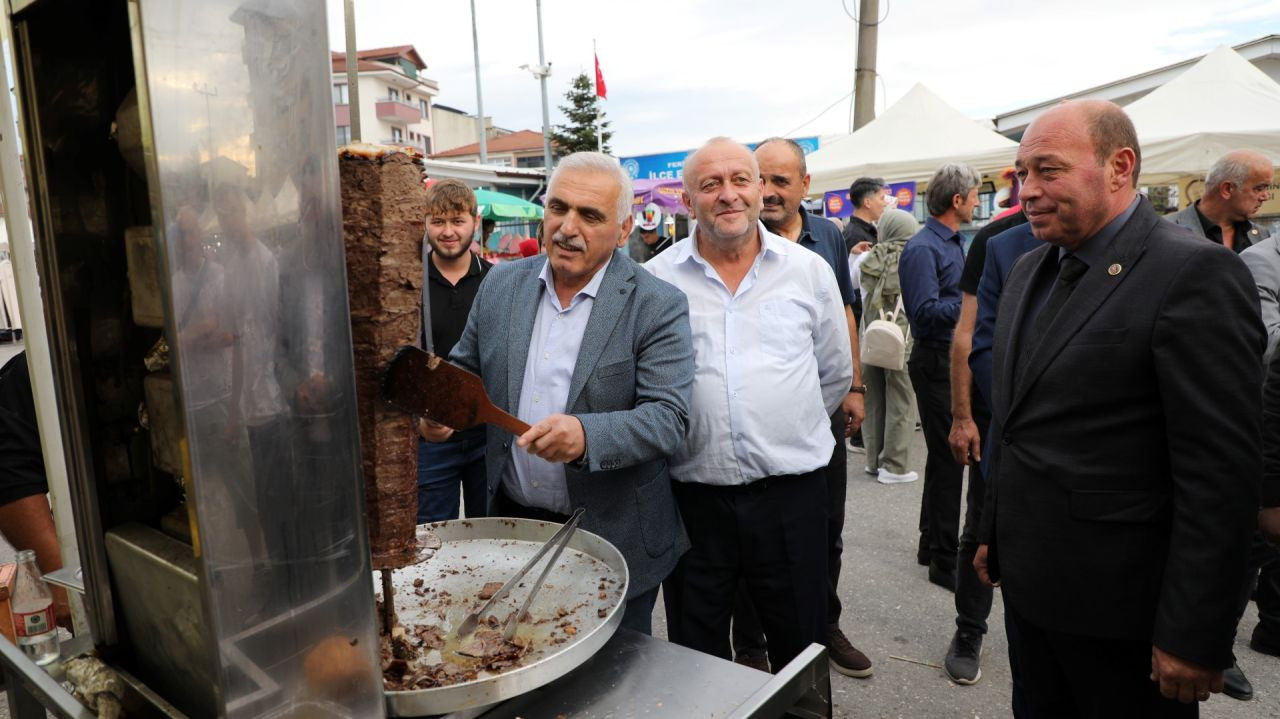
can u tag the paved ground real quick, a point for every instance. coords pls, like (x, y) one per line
(901, 621)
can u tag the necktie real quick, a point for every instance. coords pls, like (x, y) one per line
(1070, 270)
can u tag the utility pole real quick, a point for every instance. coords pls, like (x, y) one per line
(480, 130)
(864, 79)
(543, 71)
(353, 71)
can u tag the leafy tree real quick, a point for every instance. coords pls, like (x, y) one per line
(579, 133)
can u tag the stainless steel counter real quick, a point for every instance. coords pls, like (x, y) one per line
(636, 675)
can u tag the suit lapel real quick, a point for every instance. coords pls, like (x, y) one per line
(521, 316)
(1102, 278)
(613, 295)
(1018, 297)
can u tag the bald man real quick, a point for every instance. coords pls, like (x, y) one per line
(771, 365)
(1117, 525)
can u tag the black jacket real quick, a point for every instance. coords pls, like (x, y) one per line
(1126, 482)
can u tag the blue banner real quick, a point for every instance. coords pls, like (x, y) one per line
(905, 192)
(670, 165)
(836, 204)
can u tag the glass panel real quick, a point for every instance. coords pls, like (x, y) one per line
(240, 101)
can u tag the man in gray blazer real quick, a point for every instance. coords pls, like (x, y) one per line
(1234, 189)
(596, 354)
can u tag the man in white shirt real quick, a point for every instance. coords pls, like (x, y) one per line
(771, 364)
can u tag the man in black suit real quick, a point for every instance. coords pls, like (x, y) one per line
(1117, 525)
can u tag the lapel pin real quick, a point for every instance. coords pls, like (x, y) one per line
(1114, 270)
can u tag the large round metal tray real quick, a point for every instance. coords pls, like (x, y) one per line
(476, 551)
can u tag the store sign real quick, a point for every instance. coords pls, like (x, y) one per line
(670, 165)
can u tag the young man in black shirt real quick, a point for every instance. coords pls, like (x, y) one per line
(452, 276)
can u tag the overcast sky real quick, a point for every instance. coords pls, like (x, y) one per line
(681, 71)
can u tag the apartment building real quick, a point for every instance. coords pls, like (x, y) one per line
(395, 98)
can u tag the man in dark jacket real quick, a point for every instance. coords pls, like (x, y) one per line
(1117, 525)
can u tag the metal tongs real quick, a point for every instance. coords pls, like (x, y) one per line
(559, 540)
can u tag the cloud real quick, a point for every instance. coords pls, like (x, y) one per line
(682, 71)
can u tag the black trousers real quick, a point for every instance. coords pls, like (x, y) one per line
(973, 598)
(1080, 677)
(930, 371)
(748, 635)
(771, 535)
(1263, 586)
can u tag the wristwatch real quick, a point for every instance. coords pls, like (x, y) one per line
(858, 388)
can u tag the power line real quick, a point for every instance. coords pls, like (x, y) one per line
(828, 109)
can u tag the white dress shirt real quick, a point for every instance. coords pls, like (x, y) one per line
(548, 371)
(771, 363)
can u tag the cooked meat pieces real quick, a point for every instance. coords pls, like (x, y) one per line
(490, 589)
(492, 650)
(432, 637)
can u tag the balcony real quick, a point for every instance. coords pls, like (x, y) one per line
(397, 111)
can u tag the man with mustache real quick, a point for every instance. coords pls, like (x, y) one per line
(772, 363)
(595, 353)
(1115, 523)
(452, 277)
(786, 182)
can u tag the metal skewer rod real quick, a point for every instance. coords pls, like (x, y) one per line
(388, 604)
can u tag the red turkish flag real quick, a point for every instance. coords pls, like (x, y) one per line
(601, 90)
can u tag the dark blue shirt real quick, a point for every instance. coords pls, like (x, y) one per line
(823, 237)
(929, 271)
(1003, 251)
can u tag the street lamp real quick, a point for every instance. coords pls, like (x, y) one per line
(542, 71)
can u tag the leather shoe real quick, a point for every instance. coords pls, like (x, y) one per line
(963, 662)
(844, 656)
(1261, 642)
(1236, 685)
(942, 578)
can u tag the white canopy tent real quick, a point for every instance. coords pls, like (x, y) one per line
(1221, 103)
(909, 141)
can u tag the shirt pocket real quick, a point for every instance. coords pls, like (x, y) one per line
(785, 329)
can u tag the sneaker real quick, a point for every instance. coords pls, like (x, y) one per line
(844, 656)
(871, 471)
(755, 659)
(1236, 685)
(855, 448)
(884, 476)
(963, 662)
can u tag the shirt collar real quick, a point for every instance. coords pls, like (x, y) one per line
(1093, 248)
(589, 291)
(942, 231)
(473, 269)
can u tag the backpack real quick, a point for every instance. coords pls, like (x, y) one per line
(884, 344)
(885, 341)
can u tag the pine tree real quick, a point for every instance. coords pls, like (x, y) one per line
(579, 133)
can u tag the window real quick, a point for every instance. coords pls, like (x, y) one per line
(426, 145)
(393, 94)
(340, 95)
(537, 161)
(397, 135)
(426, 110)
(408, 98)
(344, 135)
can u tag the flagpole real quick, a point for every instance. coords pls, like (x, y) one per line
(595, 56)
